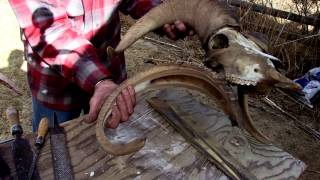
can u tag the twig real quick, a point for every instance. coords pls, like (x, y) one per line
(306, 37)
(157, 41)
(153, 60)
(296, 101)
(302, 126)
(275, 12)
(246, 13)
(282, 29)
(163, 43)
(313, 171)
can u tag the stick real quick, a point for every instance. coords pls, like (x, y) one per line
(163, 43)
(303, 38)
(313, 171)
(296, 101)
(153, 60)
(276, 13)
(300, 125)
(159, 42)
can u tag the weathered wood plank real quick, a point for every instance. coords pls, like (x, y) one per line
(265, 161)
(167, 155)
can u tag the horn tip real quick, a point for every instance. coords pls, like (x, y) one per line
(118, 49)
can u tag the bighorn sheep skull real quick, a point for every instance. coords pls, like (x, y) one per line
(243, 60)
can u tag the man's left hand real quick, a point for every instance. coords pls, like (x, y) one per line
(122, 108)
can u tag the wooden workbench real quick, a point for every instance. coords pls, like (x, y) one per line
(167, 155)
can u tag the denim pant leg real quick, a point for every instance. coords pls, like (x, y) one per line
(40, 111)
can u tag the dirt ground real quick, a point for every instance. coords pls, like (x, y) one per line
(281, 129)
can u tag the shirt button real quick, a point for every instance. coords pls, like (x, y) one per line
(44, 91)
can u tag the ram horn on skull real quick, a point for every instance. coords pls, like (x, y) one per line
(244, 61)
(242, 57)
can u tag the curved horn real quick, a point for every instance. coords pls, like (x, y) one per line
(201, 80)
(204, 16)
(282, 81)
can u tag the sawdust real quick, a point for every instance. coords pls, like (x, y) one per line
(280, 129)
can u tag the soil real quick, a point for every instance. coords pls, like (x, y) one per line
(279, 128)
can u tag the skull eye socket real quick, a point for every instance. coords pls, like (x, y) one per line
(218, 41)
(256, 70)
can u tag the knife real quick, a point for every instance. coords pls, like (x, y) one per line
(60, 154)
(21, 148)
(40, 139)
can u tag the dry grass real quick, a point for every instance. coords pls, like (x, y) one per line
(11, 63)
(295, 44)
(298, 58)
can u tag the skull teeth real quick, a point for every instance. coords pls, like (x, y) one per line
(239, 81)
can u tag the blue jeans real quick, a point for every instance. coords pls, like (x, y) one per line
(40, 111)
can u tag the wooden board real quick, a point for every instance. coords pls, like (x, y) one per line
(264, 161)
(167, 155)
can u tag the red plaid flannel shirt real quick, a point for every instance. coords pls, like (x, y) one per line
(65, 43)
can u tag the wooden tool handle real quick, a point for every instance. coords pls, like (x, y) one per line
(13, 117)
(42, 131)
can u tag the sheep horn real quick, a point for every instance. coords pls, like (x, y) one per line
(282, 81)
(199, 79)
(203, 15)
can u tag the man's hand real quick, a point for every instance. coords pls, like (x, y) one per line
(177, 30)
(121, 110)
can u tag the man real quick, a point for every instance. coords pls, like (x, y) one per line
(68, 68)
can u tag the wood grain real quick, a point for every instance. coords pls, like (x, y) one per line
(166, 154)
(265, 161)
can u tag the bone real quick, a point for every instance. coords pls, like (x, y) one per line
(210, 18)
(204, 16)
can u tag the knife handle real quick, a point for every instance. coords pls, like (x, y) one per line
(13, 116)
(42, 131)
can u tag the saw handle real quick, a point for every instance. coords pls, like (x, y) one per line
(42, 131)
(13, 117)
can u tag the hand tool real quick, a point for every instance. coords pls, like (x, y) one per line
(60, 154)
(21, 148)
(42, 131)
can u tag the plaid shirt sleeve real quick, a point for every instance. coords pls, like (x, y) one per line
(137, 8)
(51, 35)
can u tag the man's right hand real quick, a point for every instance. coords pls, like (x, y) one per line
(122, 109)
